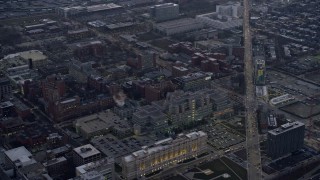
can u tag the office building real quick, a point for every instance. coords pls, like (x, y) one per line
(164, 12)
(178, 71)
(92, 175)
(178, 26)
(56, 167)
(260, 71)
(53, 88)
(230, 9)
(183, 108)
(156, 92)
(285, 139)
(164, 154)
(85, 154)
(219, 22)
(146, 60)
(67, 12)
(23, 165)
(102, 123)
(104, 167)
(151, 118)
(81, 71)
(18, 157)
(226, 16)
(34, 58)
(193, 81)
(5, 87)
(6, 109)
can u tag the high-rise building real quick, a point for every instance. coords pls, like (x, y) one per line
(164, 12)
(53, 88)
(230, 9)
(260, 71)
(164, 154)
(57, 166)
(146, 60)
(285, 139)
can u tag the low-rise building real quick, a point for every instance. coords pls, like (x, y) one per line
(164, 154)
(100, 124)
(178, 26)
(104, 166)
(193, 81)
(85, 154)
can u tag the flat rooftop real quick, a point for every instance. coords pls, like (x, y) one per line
(286, 127)
(35, 55)
(97, 122)
(102, 7)
(161, 145)
(20, 156)
(165, 5)
(99, 165)
(177, 23)
(116, 148)
(191, 76)
(86, 151)
(55, 161)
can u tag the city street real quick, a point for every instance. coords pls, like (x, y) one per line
(252, 135)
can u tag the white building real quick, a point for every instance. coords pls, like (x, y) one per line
(164, 154)
(178, 26)
(105, 167)
(230, 9)
(164, 12)
(282, 99)
(226, 16)
(19, 157)
(219, 22)
(85, 154)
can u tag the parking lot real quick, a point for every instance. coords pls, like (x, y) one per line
(222, 137)
(291, 85)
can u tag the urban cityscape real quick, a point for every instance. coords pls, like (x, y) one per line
(159, 90)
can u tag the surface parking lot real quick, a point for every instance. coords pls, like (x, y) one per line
(221, 137)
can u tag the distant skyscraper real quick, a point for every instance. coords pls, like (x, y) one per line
(164, 12)
(285, 139)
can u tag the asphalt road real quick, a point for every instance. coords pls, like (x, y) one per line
(252, 136)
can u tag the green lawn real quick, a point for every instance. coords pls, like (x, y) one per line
(218, 168)
(242, 172)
